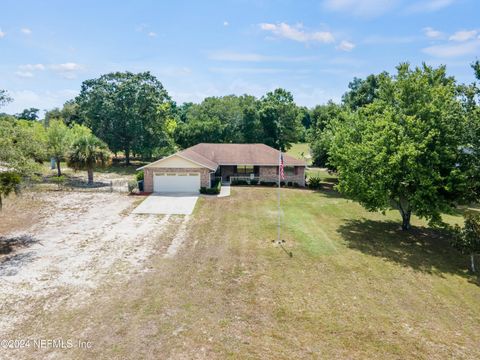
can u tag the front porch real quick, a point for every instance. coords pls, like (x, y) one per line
(257, 174)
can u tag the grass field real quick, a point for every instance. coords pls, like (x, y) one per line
(356, 288)
(301, 151)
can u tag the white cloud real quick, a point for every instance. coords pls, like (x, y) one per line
(32, 67)
(296, 33)
(463, 35)
(253, 57)
(429, 5)
(346, 46)
(152, 34)
(363, 8)
(67, 70)
(226, 23)
(432, 33)
(69, 66)
(2, 34)
(23, 99)
(453, 50)
(24, 74)
(26, 31)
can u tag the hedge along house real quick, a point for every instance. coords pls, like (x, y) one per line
(202, 164)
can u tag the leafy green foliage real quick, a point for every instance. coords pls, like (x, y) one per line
(403, 150)
(214, 190)
(140, 175)
(59, 141)
(30, 114)
(132, 113)
(279, 119)
(314, 183)
(87, 152)
(9, 182)
(4, 98)
(320, 135)
(22, 145)
(467, 239)
(363, 92)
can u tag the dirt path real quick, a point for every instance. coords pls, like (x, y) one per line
(79, 241)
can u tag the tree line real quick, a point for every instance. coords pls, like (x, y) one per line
(408, 140)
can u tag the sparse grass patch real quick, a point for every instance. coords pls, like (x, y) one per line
(357, 288)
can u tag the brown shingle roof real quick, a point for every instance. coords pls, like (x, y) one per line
(213, 155)
(240, 154)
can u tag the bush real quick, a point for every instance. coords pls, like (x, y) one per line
(253, 182)
(214, 190)
(467, 239)
(290, 183)
(140, 175)
(239, 182)
(295, 184)
(315, 183)
(268, 183)
(282, 183)
(132, 185)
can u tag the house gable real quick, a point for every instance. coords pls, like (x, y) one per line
(174, 161)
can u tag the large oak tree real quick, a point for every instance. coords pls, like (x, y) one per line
(130, 112)
(406, 149)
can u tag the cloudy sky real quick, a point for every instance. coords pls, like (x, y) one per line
(213, 48)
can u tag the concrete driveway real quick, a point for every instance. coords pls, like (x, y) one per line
(171, 203)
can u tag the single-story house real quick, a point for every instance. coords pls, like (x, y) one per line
(202, 164)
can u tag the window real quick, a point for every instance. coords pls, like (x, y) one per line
(245, 169)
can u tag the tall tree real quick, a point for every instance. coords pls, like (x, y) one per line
(279, 119)
(4, 98)
(127, 111)
(404, 149)
(467, 239)
(30, 114)
(88, 152)
(59, 142)
(321, 131)
(362, 91)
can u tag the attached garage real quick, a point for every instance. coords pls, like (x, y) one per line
(188, 182)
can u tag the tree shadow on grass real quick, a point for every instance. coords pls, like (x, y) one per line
(423, 249)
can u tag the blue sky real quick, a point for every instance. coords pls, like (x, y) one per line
(214, 48)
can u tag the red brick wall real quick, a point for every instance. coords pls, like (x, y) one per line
(269, 173)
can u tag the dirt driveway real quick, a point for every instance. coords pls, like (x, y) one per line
(77, 242)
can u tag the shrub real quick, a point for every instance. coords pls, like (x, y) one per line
(315, 183)
(214, 190)
(140, 175)
(467, 239)
(253, 182)
(289, 183)
(132, 185)
(295, 184)
(268, 183)
(282, 183)
(239, 182)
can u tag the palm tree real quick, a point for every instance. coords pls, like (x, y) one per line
(87, 152)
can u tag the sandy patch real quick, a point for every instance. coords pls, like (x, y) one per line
(79, 240)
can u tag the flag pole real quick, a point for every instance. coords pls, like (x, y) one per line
(278, 196)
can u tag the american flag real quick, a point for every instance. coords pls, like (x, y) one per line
(282, 174)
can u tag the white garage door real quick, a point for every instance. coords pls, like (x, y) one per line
(176, 182)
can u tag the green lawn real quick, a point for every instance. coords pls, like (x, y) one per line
(356, 288)
(301, 151)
